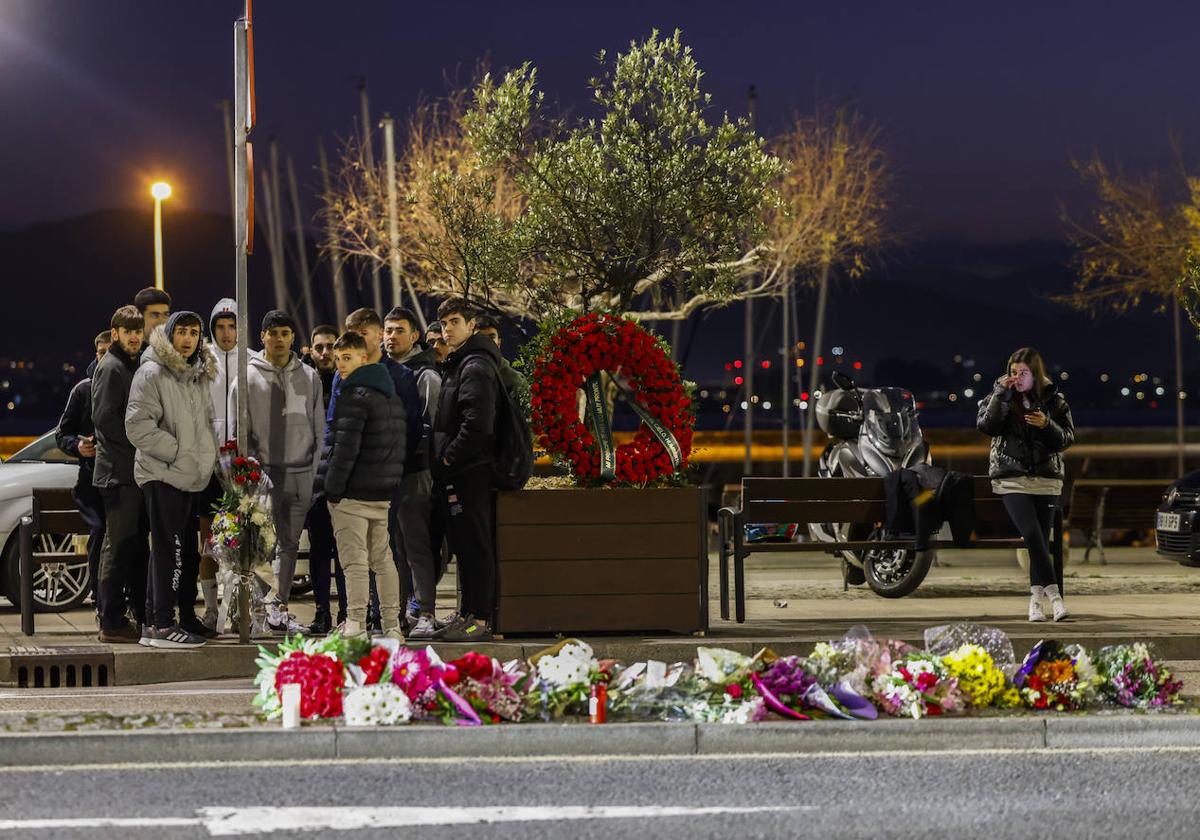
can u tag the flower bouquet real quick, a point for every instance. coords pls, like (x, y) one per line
(315, 664)
(561, 679)
(789, 689)
(1129, 676)
(242, 520)
(982, 683)
(1055, 676)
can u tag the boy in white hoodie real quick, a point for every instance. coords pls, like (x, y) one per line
(285, 409)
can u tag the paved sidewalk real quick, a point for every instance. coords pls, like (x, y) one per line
(791, 604)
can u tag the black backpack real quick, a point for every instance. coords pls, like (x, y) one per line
(513, 463)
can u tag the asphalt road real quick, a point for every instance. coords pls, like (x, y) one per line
(996, 793)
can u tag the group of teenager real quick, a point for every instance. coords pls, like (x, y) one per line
(376, 439)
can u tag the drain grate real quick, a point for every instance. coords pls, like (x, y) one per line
(80, 666)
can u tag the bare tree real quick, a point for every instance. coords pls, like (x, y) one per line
(456, 217)
(834, 193)
(1132, 249)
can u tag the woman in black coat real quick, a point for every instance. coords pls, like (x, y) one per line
(1030, 424)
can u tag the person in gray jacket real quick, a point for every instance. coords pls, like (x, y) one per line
(169, 421)
(286, 413)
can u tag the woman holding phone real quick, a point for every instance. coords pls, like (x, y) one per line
(1030, 424)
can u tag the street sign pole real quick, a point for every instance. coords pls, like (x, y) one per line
(243, 83)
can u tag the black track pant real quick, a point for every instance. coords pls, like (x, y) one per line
(123, 555)
(1034, 516)
(466, 507)
(91, 507)
(323, 562)
(172, 517)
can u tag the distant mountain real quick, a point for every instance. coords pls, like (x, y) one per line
(941, 299)
(63, 279)
(931, 302)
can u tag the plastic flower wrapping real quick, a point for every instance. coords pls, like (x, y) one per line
(1130, 676)
(860, 676)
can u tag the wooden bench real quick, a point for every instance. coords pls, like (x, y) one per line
(54, 512)
(805, 501)
(1099, 504)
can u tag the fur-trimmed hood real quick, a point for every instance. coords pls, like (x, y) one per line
(163, 353)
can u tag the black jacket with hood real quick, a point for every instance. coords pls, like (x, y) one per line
(367, 439)
(464, 429)
(76, 423)
(110, 397)
(1019, 449)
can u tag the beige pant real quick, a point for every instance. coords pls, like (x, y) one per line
(361, 531)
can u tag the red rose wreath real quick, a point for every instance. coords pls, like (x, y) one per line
(593, 343)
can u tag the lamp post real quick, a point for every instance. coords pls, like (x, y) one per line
(161, 191)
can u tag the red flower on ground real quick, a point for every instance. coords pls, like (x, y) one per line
(320, 679)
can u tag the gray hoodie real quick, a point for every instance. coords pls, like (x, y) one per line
(227, 366)
(286, 409)
(169, 417)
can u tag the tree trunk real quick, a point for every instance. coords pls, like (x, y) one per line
(1179, 398)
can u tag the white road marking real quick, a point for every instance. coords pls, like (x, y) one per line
(226, 822)
(1048, 752)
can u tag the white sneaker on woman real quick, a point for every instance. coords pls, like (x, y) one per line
(1060, 609)
(1035, 608)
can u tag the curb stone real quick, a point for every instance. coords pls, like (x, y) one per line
(1026, 732)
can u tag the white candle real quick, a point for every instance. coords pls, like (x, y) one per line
(291, 705)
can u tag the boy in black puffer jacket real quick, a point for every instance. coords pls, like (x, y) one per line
(364, 467)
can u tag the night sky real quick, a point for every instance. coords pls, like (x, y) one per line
(981, 105)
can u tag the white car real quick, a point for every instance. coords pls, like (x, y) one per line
(56, 586)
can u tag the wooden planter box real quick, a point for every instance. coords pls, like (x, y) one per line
(573, 561)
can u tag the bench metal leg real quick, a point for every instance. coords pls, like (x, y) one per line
(723, 518)
(1100, 525)
(739, 571)
(26, 575)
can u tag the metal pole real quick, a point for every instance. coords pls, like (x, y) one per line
(748, 349)
(241, 84)
(310, 312)
(369, 162)
(276, 214)
(786, 357)
(335, 257)
(1179, 392)
(399, 279)
(815, 377)
(158, 251)
(227, 118)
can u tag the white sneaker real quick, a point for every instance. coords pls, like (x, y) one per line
(424, 628)
(210, 618)
(279, 620)
(1060, 608)
(1035, 608)
(354, 630)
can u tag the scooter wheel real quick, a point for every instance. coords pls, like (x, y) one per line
(890, 576)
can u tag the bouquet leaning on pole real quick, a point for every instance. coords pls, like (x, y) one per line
(242, 519)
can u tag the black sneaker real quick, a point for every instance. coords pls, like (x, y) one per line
(126, 634)
(175, 638)
(197, 627)
(321, 625)
(466, 629)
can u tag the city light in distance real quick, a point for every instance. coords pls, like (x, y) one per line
(1124, 392)
(766, 364)
(767, 405)
(969, 393)
(737, 380)
(737, 363)
(744, 405)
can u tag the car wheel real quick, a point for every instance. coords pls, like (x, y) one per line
(58, 586)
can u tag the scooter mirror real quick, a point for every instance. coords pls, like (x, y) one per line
(843, 381)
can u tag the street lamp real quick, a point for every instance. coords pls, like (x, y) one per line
(161, 191)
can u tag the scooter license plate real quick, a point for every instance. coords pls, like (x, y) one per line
(1169, 522)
